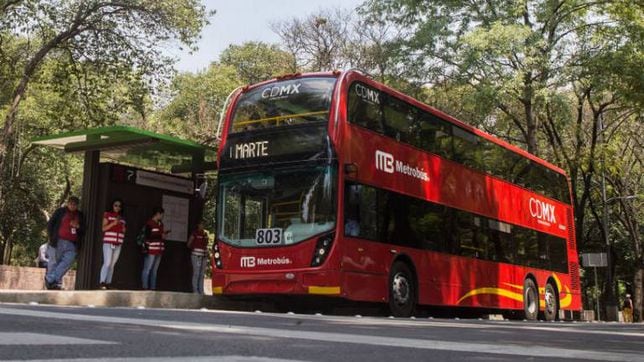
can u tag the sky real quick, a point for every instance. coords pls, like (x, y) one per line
(238, 21)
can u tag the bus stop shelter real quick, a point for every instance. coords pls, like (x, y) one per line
(145, 169)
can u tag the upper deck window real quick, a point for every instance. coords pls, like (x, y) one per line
(382, 112)
(284, 103)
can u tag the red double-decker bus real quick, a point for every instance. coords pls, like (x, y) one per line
(334, 184)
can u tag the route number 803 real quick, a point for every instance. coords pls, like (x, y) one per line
(268, 236)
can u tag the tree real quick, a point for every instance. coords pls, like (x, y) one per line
(62, 96)
(196, 103)
(338, 39)
(116, 36)
(509, 50)
(256, 61)
(86, 63)
(318, 41)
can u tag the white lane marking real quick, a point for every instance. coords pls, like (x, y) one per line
(391, 321)
(171, 359)
(495, 325)
(429, 344)
(21, 339)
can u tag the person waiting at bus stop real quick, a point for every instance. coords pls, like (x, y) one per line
(198, 242)
(154, 246)
(113, 236)
(65, 230)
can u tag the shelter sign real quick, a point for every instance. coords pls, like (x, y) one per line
(164, 182)
(175, 218)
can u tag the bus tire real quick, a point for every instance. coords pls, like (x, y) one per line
(530, 300)
(402, 290)
(551, 309)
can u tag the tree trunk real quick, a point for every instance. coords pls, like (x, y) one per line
(6, 254)
(531, 124)
(638, 302)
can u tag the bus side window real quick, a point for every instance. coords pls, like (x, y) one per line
(360, 212)
(558, 255)
(466, 147)
(435, 135)
(399, 120)
(365, 113)
(466, 235)
(500, 241)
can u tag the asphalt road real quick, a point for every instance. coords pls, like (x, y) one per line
(34, 332)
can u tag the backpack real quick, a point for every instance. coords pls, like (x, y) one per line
(140, 237)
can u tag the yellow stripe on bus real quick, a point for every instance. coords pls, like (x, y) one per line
(324, 290)
(217, 290)
(494, 291)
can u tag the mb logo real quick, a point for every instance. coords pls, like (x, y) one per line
(247, 261)
(384, 161)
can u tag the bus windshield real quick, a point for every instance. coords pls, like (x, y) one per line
(276, 207)
(284, 103)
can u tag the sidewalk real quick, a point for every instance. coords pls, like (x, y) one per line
(126, 298)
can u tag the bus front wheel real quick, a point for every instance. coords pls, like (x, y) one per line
(530, 300)
(402, 291)
(551, 305)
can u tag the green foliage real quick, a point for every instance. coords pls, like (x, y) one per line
(197, 100)
(67, 65)
(255, 61)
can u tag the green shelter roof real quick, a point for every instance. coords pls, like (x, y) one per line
(135, 146)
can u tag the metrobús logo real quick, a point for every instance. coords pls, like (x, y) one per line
(386, 162)
(251, 261)
(543, 211)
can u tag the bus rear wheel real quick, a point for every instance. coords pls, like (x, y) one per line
(402, 291)
(551, 306)
(530, 300)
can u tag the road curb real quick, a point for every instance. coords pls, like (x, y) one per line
(121, 298)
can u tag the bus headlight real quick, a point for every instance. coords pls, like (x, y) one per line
(322, 248)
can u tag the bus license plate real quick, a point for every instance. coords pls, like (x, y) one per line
(269, 237)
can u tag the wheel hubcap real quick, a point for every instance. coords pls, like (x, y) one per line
(531, 301)
(400, 288)
(550, 301)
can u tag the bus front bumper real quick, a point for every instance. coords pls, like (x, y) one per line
(322, 282)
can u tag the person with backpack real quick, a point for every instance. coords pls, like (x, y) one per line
(65, 229)
(113, 236)
(153, 246)
(198, 242)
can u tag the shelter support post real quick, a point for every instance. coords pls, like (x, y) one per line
(89, 200)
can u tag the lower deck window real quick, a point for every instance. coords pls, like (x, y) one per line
(393, 218)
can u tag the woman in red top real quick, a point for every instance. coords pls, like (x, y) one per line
(198, 242)
(113, 235)
(154, 247)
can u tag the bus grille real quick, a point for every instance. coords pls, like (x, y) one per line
(574, 275)
(572, 243)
